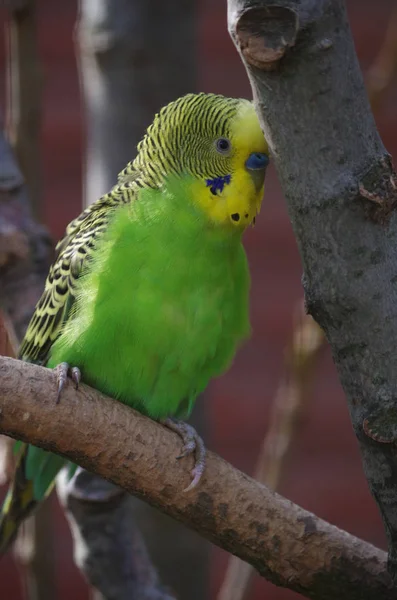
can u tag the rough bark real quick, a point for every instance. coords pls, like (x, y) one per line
(130, 66)
(307, 342)
(286, 544)
(341, 194)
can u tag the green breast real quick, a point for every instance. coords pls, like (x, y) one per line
(162, 308)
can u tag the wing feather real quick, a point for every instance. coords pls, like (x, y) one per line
(72, 254)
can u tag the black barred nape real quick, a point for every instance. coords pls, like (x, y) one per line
(172, 142)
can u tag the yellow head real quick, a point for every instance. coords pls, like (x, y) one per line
(219, 142)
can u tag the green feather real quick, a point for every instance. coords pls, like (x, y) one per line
(42, 467)
(163, 306)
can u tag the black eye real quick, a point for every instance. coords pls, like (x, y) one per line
(223, 145)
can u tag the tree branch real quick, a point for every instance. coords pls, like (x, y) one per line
(307, 342)
(120, 552)
(131, 66)
(341, 193)
(286, 544)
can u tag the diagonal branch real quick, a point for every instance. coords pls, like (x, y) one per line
(286, 544)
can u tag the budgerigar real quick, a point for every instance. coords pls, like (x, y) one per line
(147, 299)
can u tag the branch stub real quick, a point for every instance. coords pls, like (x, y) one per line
(264, 35)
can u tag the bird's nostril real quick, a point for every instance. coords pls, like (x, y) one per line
(246, 215)
(235, 217)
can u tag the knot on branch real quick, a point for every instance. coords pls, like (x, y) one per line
(381, 426)
(379, 190)
(264, 35)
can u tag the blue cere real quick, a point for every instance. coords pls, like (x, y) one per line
(256, 161)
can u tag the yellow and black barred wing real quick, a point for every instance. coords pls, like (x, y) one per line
(72, 254)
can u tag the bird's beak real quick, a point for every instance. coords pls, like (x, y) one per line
(256, 165)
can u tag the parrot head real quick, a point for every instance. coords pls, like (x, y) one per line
(218, 142)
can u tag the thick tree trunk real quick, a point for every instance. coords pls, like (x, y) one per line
(341, 193)
(135, 56)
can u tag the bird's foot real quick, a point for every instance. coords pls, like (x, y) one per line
(62, 371)
(192, 442)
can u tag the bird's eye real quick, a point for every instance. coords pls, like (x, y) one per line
(223, 145)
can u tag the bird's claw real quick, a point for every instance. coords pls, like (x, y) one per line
(62, 372)
(192, 442)
(197, 473)
(188, 448)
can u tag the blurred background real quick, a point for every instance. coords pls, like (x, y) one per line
(100, 79)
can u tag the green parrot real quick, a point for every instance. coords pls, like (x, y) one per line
(147, 299)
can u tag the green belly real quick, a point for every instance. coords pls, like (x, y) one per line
(159, 313)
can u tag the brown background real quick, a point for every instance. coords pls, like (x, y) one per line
(324, 471)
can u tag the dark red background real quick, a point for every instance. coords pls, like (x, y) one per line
(324, 471)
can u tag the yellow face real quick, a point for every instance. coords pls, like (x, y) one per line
(234, 198)
(218, 143)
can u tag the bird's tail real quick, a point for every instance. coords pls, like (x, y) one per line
(18, 504)
(33, 481)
